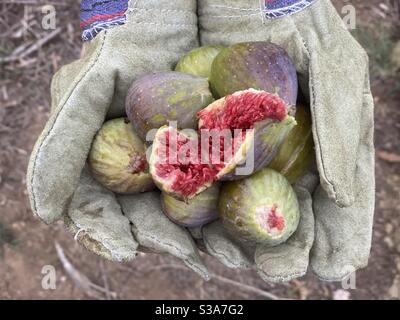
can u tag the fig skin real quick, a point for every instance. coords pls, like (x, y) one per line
(297, 151)
(198, 62)
(258, 65)
(155, 99)
(194, 213)
(260, 209)
(117, 159)
(265, 142)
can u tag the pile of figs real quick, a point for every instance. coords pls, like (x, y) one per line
(222, 137)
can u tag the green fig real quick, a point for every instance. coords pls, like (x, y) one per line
(262, 208)
(297, 151)
(196, 212)
(198, 61)
(118, 159)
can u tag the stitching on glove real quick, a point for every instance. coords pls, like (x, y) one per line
(97, 15)
(233, 8)
(159, 10)
(164, 24)
(286, 278)
(312, 105)
(275, 12)
(220, 254)
(184, 256)
(235, 17)
(56, 116)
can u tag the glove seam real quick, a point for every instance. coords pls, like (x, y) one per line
(234, 265)
(184, 256)
(282, 278)
(56, 117)
(312, 105)
(159, 10)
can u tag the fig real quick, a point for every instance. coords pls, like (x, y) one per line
(197, 212)
(118, 159)
(176, 166)
(297, 151)
(257, 65)
(156, 99)
(260, 123)
(198, 61)
(247, 127)
(260, 209)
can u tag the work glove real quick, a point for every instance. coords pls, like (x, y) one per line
(334, 236)
(124, 40)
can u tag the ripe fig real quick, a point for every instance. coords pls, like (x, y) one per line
(297, 151)
(198, 61)
(258, 65)
(262, 208)
(158, 98)
(118, 159)
(197, 212)
(262, 120)
(246, 127)
(175, 164)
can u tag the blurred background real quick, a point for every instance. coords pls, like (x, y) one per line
(29, 56)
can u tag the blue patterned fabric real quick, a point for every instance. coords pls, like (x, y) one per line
(278, 8)
(97, 15)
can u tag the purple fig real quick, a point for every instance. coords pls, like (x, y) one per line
(158, 98)
(263, 120)
(196, 212)
(257, 65)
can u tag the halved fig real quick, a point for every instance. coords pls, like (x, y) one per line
(262, 208)
(176, 165)
(246, 127)
(194, 213)
(258, 123)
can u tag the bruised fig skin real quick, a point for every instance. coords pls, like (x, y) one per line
(198, 62)
(297, 151)
(156, 99)
(118, 159)
(194, 213)
(265, 120)
(261, 209)
(258, 65)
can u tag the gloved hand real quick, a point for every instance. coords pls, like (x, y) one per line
(150, 35)
(337, 215)
(155, 36)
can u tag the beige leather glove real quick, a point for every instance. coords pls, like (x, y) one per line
(333, 74)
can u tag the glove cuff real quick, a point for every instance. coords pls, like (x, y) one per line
(279, 8)
(97, 15)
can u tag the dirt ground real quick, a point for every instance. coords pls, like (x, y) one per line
(26, 245)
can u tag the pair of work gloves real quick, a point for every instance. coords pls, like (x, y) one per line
(337, 202)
